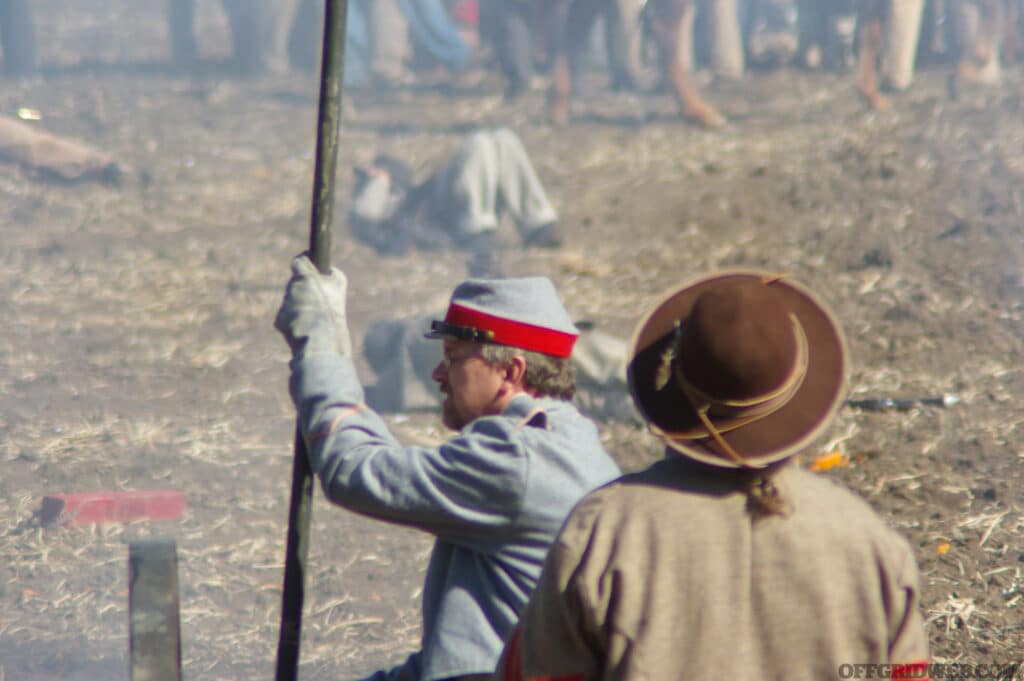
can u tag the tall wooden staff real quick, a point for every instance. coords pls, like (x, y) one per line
(331, 69)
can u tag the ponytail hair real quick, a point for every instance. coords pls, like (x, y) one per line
(763, 496)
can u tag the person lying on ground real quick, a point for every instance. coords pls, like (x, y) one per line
(494, 494)
(460, 205)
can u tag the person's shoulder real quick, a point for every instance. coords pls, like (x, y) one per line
(627, 496)
(499, 427)
(827, 500)
(564, 411)
(617, 508)
(486, 445)
(817, 490)
(499, 434)
(525, 416)
(526, 413)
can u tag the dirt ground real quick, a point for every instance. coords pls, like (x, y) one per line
(138, 351)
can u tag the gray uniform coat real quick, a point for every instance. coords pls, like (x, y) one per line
(495, 496)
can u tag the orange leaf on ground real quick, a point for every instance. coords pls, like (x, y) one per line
(831, 460)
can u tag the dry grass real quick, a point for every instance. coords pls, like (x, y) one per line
(138, 352)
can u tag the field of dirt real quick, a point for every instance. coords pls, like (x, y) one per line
(138, 352)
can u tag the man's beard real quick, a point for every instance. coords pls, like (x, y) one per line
(449, 416)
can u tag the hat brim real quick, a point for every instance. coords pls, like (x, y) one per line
(442, 329)
(772, 438)
(435, 335)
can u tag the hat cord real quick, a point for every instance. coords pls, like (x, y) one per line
(763, 496)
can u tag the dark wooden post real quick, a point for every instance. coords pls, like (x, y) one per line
(153, 610)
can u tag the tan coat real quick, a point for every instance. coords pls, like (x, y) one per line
(663, 575)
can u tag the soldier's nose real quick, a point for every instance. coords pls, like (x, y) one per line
(438, 373)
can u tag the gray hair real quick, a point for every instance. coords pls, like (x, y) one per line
(546, 376)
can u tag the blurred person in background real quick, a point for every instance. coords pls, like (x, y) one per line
(388, 39)
(435, 33)
(460, 205)
(377, 47)
(495, 494)
(518, 34)
(384, 39)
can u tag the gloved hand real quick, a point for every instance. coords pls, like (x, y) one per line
(312, 315)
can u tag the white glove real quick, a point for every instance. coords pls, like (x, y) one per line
(312, 315)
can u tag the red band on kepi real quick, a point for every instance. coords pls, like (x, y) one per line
(517, 334)
(523, 312)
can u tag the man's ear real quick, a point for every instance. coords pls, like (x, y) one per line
(515, 371)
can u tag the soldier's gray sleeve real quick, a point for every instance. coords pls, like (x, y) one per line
(410, 670)
(555, 637)
(470, 486)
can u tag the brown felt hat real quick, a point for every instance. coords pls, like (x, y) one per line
(738, 368)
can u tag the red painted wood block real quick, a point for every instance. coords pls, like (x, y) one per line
(111, 507)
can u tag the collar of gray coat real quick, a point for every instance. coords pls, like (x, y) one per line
(529, 410)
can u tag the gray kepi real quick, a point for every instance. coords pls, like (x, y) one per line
(524, 313)
(738, 369)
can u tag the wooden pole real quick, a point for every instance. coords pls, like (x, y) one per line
(328, 120)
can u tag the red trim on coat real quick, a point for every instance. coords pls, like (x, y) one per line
(517, 334)
(513, 657)
(513, 670)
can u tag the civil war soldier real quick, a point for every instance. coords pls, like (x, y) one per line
(496, 493)
(724, 560)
